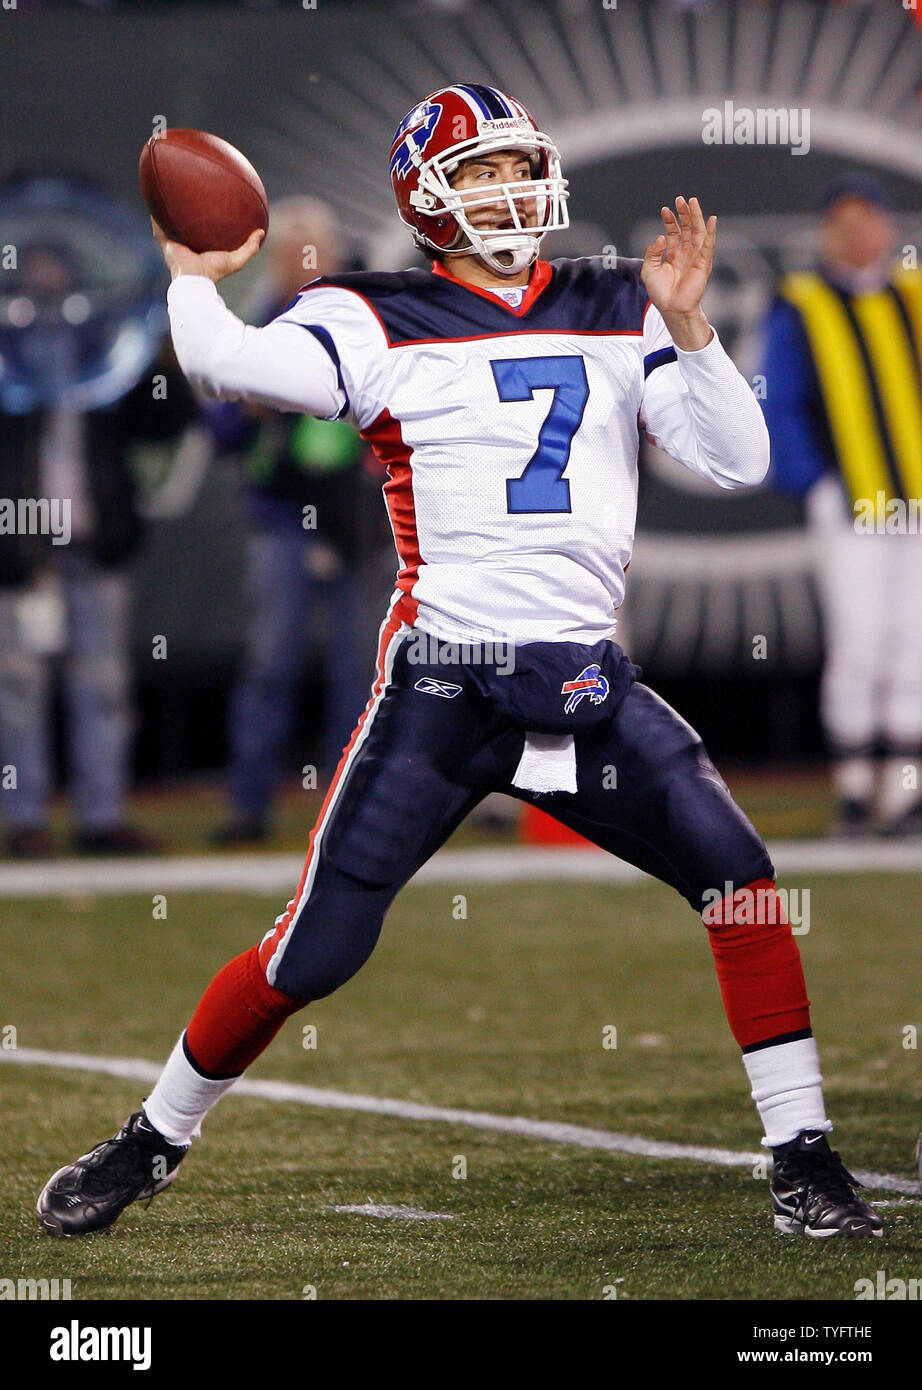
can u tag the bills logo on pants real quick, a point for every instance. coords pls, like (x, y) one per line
(589, 682)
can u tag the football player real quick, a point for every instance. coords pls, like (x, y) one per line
(503, 393)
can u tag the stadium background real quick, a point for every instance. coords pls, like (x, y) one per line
(312, 95)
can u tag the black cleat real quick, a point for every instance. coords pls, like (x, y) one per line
(814, 1194)
(91, 1193)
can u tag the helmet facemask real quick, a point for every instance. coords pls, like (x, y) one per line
(535, 206)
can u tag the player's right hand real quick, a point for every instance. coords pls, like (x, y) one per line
(214, 265)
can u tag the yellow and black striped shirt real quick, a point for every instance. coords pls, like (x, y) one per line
(867, 350)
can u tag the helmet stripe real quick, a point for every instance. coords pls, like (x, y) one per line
(493, 108)
(473, 101)
(504, 101)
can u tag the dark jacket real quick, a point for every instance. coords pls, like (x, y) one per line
(109, 434)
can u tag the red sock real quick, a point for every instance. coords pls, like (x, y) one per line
(237, 1017)
(758, 965)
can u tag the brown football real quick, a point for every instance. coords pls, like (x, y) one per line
(202, 191)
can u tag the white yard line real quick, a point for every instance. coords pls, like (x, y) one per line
(396, 1213)
(268, 874)
(553, 1131)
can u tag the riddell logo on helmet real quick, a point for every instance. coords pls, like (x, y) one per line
(507, 123)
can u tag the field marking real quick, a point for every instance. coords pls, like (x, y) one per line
(268, 874)
(395, 1213)
(554, 1131)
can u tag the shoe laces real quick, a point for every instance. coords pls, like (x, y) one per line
(117, 1160)
(824, 1171)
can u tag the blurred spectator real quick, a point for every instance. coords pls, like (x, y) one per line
(843, 403)
(69, 596)
(314, 513)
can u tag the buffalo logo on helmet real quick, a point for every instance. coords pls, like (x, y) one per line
(417, 126)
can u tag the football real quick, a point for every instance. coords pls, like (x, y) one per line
(201, 190)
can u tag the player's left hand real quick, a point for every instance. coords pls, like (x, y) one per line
(677, 265)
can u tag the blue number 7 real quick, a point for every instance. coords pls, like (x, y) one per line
(542, 487)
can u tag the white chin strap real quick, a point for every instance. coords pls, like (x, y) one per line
(517, 249)
(517, 252)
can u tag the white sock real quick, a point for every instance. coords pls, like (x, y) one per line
(182, 1098)
(788, 1089)
(895, 797)
(854, 779)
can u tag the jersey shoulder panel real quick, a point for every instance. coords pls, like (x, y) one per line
(333, 298)
(403, 302)
(585, 295)
(374, 284)
(418, 306)
(601, 293)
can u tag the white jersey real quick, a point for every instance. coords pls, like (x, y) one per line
(509, 434)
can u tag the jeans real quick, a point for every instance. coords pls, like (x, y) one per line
(282, 592)
(95, 667)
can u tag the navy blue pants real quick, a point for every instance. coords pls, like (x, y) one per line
(421, 761)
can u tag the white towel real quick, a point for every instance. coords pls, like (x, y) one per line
(547, 764)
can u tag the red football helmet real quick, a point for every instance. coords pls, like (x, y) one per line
(459, 123)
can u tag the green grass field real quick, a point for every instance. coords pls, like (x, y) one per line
(503, 1011)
